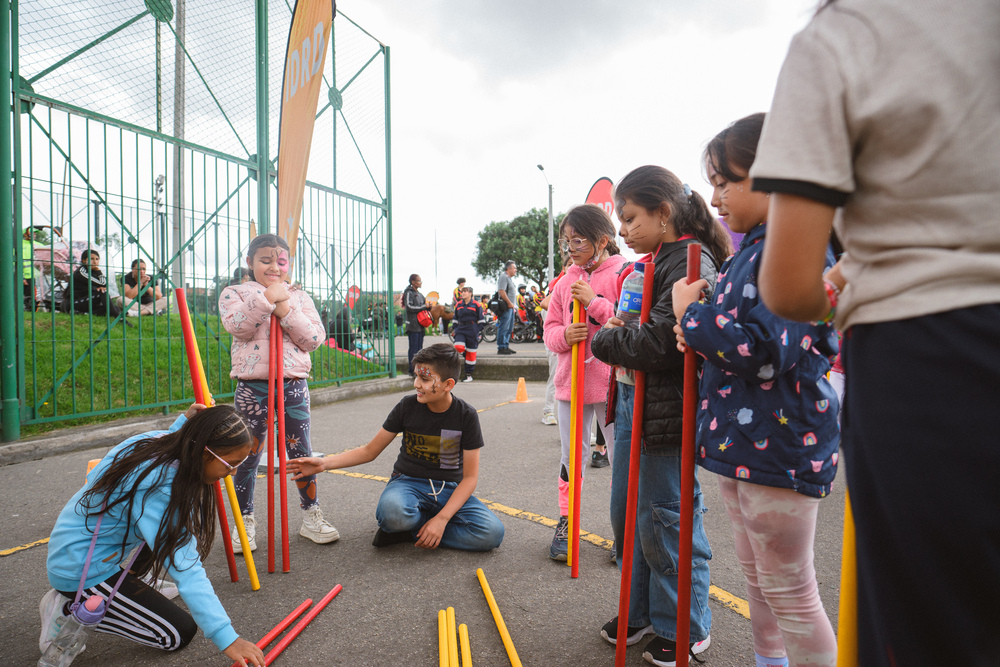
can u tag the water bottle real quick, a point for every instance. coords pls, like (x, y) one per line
(70, 641)
(630, 303)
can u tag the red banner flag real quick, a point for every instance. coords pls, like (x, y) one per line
(600, 194)
(308, 40)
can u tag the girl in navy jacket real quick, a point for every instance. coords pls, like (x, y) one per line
(767, 421)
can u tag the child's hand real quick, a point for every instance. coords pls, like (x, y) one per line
(277, 292)
(835, 276)
(243, 652)
(282, 308)
(194, 409)
(684, 295)
(576, 333)
(304, 467)
(429, 535)
(614, 322)
(681, 343)
(583, 293)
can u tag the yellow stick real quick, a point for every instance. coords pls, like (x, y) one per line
(452, 638)
(241, 529)
(501, 626)
(463, 641)
(847, 620)
(574, 442)
(442, 639)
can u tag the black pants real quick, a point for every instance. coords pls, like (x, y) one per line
(101, 305)
(922, 445)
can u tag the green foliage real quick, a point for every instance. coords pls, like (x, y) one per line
(522, 240)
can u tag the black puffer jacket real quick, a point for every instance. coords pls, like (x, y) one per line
(653, 348)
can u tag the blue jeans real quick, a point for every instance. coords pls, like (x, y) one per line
(416, 344)
(505, 324)
(409, 502)
(653, 595)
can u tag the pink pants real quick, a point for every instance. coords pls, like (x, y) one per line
(774, 531)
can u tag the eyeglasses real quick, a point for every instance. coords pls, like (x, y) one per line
(573, 244)
(229, 467)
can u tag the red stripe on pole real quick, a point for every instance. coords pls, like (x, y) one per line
(280, 627)
(687, 478)
(300, 626)
(279, 406)
(638, 408)
(271, 366)
(190, 346)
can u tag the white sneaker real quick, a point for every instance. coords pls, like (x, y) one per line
(315, 528)
(251, 527)
(549, 419)
(51, 611)
(165, 587)
(468, 378)
(132, 313)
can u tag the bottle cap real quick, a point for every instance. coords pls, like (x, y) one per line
(92, 611)
(639, 267)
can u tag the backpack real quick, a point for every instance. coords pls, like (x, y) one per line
(497, 304)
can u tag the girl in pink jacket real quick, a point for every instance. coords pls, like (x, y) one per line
(246, 311)
(587, 234)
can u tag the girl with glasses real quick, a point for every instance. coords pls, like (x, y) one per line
(153, 492)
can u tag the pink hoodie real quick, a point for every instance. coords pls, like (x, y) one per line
(604, 281)
(246, 314)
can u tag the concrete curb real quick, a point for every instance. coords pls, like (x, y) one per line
(532, 369)
(111, 433)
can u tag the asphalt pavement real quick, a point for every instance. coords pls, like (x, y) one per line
(387, 611)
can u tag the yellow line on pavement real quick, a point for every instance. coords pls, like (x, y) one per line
(730, 601)
(14, 550)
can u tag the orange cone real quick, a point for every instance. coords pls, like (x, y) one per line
(522, 392)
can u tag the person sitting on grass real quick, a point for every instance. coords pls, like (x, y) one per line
(428, 499)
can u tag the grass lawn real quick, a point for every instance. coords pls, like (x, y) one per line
(138, 370)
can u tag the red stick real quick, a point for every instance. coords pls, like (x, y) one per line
(270, 449)
(577, 466)
(300, 626)
(279, 406)
(199, 397)
(638, 408)
(687, 478)
(280, 627)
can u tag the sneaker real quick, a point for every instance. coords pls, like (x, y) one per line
(161, 311)
(468, 378)
(614, 555)
(610, 632)
(560, 541)
(663, 652)
(316, 528)
(51, 609)
(599, 459)
(384, 539)
(164, 587)
(251, 527)
(549, 419)
(132, 313)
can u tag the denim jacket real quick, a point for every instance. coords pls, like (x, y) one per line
(767, 413)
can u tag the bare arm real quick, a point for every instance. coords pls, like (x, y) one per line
(429, 535)
(791, 275)
(304, 467)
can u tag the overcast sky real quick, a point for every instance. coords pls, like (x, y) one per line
(483, 90)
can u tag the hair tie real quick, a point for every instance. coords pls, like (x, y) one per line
(687, 190)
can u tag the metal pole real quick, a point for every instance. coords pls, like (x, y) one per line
(97, 220)
(263, 122)
(9, 411)
(548, 277)
(388, 224)
(177, 271)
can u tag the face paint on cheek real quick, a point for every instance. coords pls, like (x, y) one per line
(283, 261)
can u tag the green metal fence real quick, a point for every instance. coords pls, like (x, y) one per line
(138, 131)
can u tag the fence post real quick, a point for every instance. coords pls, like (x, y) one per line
(9, 410)
(390, 302)
(263, 124)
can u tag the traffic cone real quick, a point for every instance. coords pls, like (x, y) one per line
(522, 392)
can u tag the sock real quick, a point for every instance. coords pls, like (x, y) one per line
(770, 662)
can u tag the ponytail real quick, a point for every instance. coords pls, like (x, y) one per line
(696, 219)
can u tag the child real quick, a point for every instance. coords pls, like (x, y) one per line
(469, 320)
(429, 498)
(659, 216)
(888, 112)
(767, 425)
(155, 487)
(246, 311)
(587, 234)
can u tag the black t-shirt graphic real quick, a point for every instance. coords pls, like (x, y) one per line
(433, 442)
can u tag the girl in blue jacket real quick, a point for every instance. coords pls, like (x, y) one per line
(767, 421)
(154, 487)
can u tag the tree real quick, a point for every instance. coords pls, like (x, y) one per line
(522, 240)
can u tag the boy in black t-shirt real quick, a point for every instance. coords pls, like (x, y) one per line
(429, 498)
